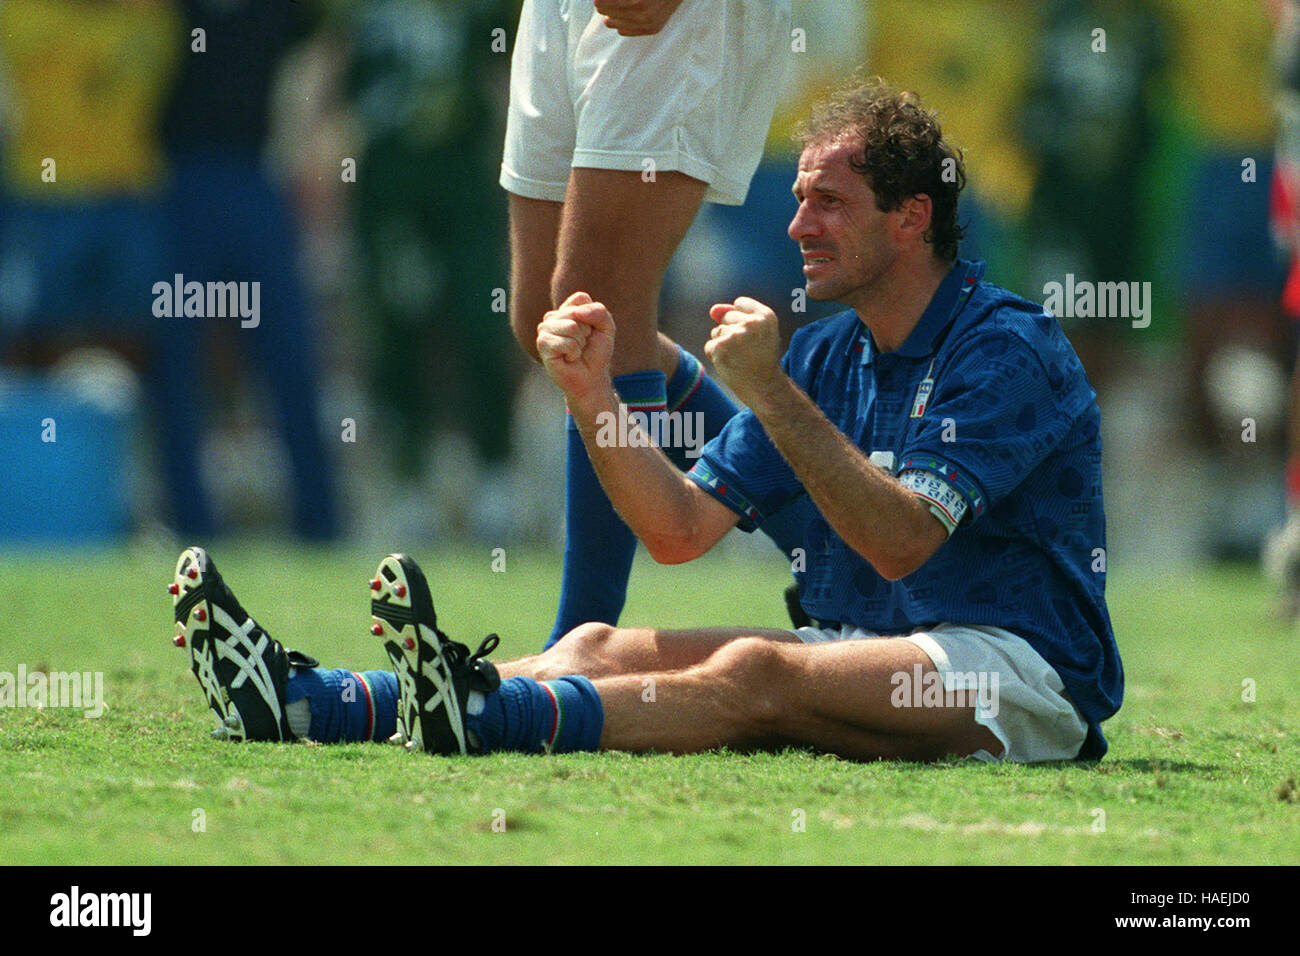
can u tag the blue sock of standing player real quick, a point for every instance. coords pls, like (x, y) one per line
(337, 705)
(692, 392)
(598, 546)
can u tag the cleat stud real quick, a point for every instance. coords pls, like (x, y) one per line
(179, 640)
(376, 629)
(409, 643)
(376, 584)
(201, 614)
(192, 573)
(400, 590)
(231, 721)
(221, 733)
(173, 588)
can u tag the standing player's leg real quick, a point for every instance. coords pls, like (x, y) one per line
(617, 236)
(588, 110)
(534, 235)
(592, 243)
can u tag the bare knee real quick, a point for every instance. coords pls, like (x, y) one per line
(750, 673)
(584, 650)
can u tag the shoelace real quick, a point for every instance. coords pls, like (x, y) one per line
(485, 677)
(488, 645)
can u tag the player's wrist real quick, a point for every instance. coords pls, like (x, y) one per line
(588, 403)
(769, 396)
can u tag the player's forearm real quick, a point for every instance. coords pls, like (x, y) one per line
(867, 507)
(645, 488)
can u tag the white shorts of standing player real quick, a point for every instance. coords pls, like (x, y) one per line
(696, 98)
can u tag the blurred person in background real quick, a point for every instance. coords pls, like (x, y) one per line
(975, 59)
(427, 81)
(1231, 278)
(82, 227)
(1282, 549)
(1088, 123)
(232, 222)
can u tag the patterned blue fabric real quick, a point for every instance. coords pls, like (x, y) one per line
(1010, 424)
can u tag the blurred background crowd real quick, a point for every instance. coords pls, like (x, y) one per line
(344, 155)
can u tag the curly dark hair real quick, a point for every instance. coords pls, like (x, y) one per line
(903, 152)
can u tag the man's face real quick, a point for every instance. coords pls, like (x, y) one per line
(844, 238)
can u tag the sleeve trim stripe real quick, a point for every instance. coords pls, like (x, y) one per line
(726, 493)
(951, 475)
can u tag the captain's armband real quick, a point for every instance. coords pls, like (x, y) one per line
(944, 501)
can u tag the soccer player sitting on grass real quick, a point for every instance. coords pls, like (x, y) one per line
(948, 438)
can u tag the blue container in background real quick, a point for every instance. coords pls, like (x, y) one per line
(69, 490)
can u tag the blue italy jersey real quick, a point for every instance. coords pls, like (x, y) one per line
(984, 412)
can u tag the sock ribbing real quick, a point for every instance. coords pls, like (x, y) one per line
(346, 705)
(528, 716)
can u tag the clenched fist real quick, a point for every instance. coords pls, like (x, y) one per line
(636, 18)
(745, 347)
(575, 343)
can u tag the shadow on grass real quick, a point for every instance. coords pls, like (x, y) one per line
(1145, 765)
(1108, 765)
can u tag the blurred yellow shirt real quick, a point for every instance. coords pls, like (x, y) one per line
(972, 61)
(1221, 63)
(86, 81)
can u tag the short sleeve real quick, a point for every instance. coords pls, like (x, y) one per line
(743, 469)
(740, 466)
(998, 409)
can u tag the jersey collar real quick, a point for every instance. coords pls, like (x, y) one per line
(948, 300)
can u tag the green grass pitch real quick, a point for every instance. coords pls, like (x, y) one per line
(1196, 774)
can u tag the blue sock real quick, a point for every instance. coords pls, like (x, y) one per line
(346, 705)
(598, 546)
(557, 716)
(692, 392)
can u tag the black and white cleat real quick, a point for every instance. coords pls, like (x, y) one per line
(435, 675)
(241, 669)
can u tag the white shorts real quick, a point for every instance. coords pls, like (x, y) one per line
(697, 97)
(1017, 695)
